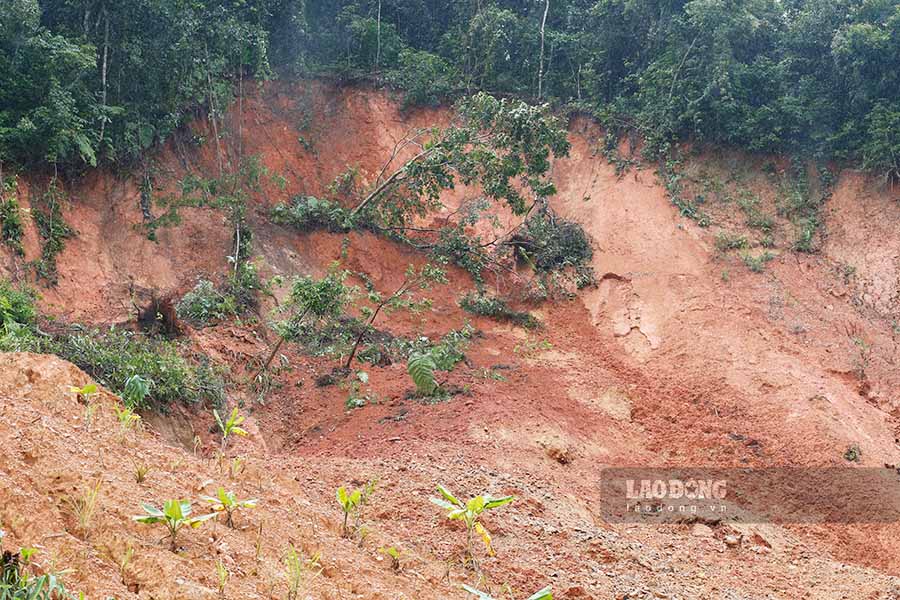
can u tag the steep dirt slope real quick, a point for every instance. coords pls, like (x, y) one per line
(677, 367)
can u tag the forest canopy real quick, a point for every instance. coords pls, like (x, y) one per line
(86, 81)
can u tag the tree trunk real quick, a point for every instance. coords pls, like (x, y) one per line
(378, 46)
(104, 69)
(541, 65)
(389, 181)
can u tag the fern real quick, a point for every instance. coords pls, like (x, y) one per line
(421, 368)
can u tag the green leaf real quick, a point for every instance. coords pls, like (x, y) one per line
(481, 595)
(421, 368)
(543, 594)
(450, 497)
(495, 502)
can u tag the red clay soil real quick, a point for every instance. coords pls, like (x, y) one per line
(666, 362)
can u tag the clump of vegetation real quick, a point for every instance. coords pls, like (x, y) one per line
(113, 356)
(757, 262)
(470, 513)
(727, 241)
(498, 309)
(853, 453)
(174, 514)
(205, 304)
(18, 332)
(53, 230)
(84, 507)
(308, 213)
(12, 229)
(17, 583)
(555, 246)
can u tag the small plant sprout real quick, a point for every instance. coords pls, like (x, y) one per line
(544, 594)
(231, 426)
(140, 472)
(128, 419)
(84, 394)
(85, 506)
(299, 572)
(394, 554)
(225, 502)
(124, 561)
(221, 578)
(351, 504)
(175, 514)
(470, 513)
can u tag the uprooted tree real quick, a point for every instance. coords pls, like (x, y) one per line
(501, 147)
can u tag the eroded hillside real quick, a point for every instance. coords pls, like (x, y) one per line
(691, 350)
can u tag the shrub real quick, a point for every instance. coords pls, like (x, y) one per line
(204, 304)
(11, 219)
(17, 584)
(496, 308)
(16, 305)
(113, 356)
(308, 213)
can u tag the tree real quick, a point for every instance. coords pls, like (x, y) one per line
(310, 298)
(500, 145)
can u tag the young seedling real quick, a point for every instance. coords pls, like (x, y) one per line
(299, 572)
(84, 394)
(128, 419)
(124, 561)
(351, 504)
(84, 507)
(140, 472)
(394, 554)
(222, 578)
(175, 514)
(232, 426)
(544, 594)
(225, 502)
(470, 513)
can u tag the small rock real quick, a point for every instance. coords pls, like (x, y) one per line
(701, 530)
(732, 541)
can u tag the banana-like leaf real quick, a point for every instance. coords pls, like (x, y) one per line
(442, 503)
(196, 522)
(450, 497)
(543, 594)
(481, 595)
(342, 496)
(239, 431)
(495, 502)
(485, 537)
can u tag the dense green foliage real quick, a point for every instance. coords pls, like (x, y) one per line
(83, 81)
(148, 372)
(496, 308)
(17, 583)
